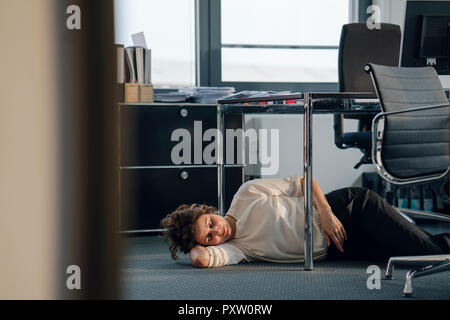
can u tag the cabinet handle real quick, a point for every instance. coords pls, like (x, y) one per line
(184, 113)
(184, 175)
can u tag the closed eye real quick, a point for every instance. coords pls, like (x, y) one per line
(209, 236)
(209, 224)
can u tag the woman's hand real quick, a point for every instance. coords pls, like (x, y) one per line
(332, 228)
(199, 256)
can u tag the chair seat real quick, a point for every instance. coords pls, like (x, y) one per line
(360, 139)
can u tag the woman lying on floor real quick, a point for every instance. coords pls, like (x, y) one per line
(266, 221)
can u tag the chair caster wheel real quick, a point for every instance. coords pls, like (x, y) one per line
(407, 295)
(389, 277)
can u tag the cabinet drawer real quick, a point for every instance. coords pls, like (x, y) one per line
(146, 130)
(148, 195)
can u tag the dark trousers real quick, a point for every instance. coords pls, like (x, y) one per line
(376, 231)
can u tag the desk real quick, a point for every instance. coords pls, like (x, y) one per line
(307, 104)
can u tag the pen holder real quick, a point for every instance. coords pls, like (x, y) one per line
(132, 93)
(146, 93)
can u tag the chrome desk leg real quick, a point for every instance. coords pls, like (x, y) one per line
(307, 171)
(219, 161)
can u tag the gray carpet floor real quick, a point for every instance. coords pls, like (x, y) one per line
(149, 273)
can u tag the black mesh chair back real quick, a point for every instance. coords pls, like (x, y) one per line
(415, 144)
(358, 46)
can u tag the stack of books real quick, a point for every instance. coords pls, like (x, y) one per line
(171, 97)
(138, 65)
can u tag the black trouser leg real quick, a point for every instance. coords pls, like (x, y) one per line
(376, 231)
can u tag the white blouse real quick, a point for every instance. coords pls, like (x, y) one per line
(270, 224)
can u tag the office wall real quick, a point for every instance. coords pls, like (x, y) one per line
(391, 11)
(29, 150)
(332, 167)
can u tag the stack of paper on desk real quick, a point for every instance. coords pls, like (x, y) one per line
(206, 94)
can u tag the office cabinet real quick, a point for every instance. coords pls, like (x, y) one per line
(151, 184)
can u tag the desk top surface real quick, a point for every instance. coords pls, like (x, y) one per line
(322, 103)
(301, 96)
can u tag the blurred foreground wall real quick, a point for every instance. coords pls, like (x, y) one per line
(58, 150)
(29, 142)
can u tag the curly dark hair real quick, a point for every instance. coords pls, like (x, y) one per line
(179, 226)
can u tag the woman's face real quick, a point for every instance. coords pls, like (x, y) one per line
(211, 230)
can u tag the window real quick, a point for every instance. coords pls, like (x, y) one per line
(282, 41)
(169, 27)
(283, 44)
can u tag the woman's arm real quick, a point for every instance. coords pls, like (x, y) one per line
(332, 228)
(215, 256)
(199, 256)
(319, 200)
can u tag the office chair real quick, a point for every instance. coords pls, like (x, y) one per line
(411, 143)
(358, 46)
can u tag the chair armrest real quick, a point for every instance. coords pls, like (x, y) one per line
(375, 120)
(433, 106)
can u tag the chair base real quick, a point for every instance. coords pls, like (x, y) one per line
(413, 261)
(425, 215)
(429, 269)
(430, 264)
